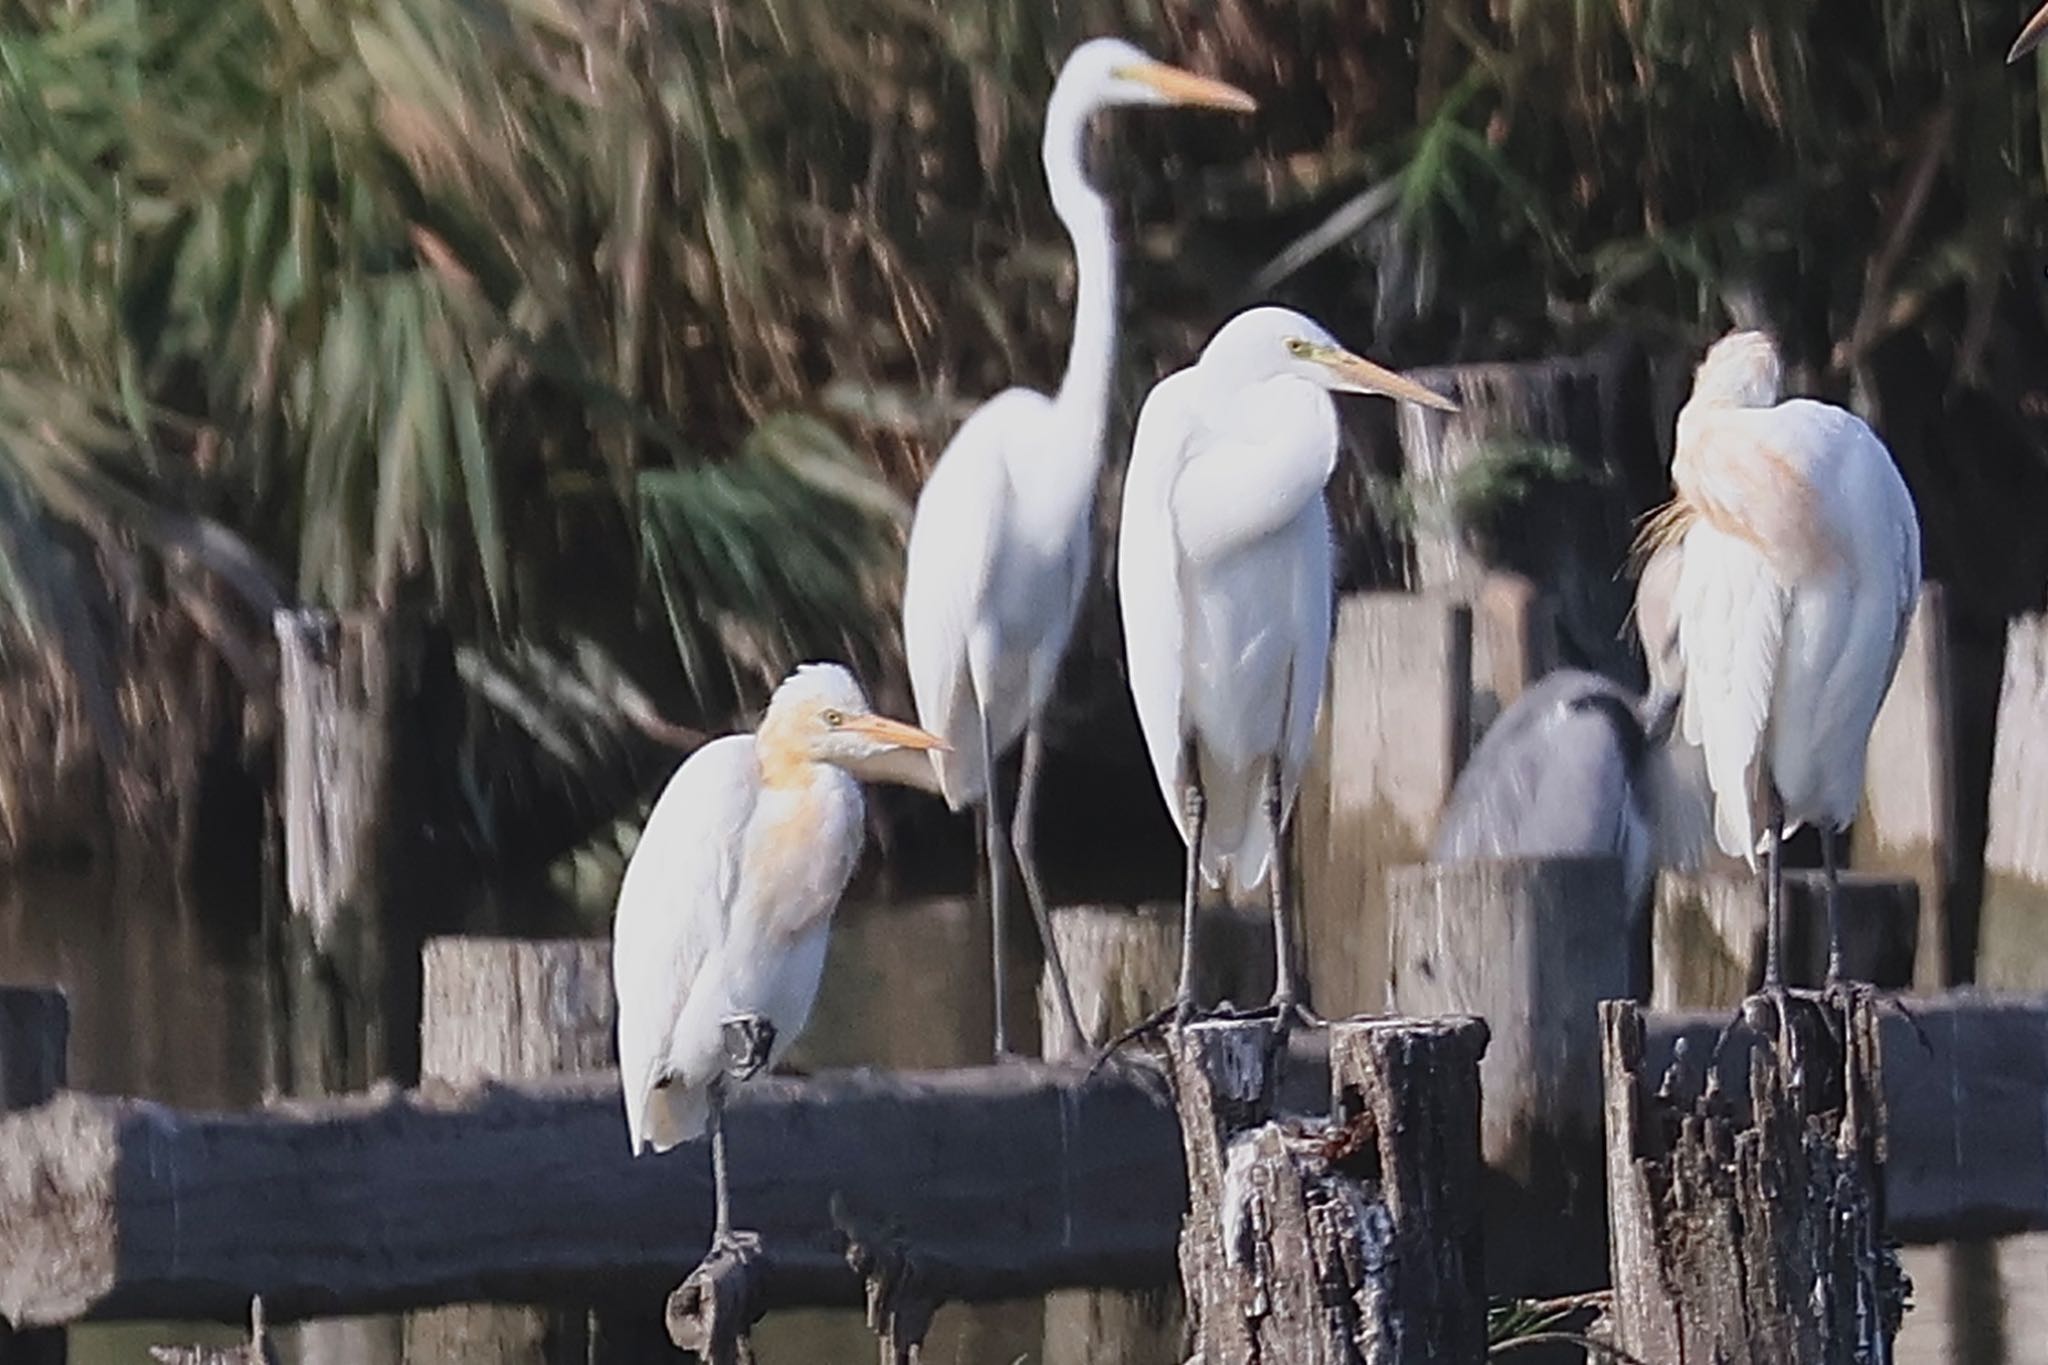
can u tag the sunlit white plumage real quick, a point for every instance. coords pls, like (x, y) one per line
(1225, 579)
(999, 545)
(1799, 560)
(727, 901)
(2030, 37)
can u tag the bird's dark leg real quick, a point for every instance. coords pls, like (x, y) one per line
(1774, 888)
(721, 1193)
(748, 1040)
(1027, 867)
(1831, 880)
(998, 886)
(1195, 809)
(1286, 1006)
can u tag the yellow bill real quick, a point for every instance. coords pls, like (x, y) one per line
(895, 732)
(1176, 86)
(2030, 36)
(1360, 375)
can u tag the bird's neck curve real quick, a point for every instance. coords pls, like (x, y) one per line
(785, 763)
(1082, 402)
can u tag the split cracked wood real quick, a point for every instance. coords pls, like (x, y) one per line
(1354, 1237)
(1748, 1219)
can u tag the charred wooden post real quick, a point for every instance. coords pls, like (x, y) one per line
(1123, 965)
(1708, 935)
(1354, 1237)
(1503, 484)
(2012, 941)
(1393, 734)
(1532, 946)
(1748, 1199)
(1907, 825)
(35, 1037)
(499, 1010)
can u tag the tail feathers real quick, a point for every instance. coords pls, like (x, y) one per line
(672, 1114)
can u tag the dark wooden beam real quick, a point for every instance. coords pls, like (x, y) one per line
(1017, 1179)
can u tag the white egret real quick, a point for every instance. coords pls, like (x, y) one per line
(999, 545)
(2030, 36)
(1225, 574)
(1799, 558)
(719, 938)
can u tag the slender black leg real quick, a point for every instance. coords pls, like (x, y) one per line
(721, 1225)
(1194, 807)
(1286, 1003)
(1774, 888)
(748, 1041)
(1831, 874)
(998, 890)
(1021, 825)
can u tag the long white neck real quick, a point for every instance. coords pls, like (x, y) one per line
(1083, 398)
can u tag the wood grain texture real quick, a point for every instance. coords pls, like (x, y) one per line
(1532, 946)
(2012, 945)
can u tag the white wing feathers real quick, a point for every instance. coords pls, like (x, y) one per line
(1148, 583)
(673, 907)
(1731, 611)
(955, 537)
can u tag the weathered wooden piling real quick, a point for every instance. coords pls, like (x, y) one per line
(1709, 934)
(1514, 643)
(1353, 1238)
(1748, 1200)
(502, 1010)
(1123, 965)
(1526, 477)
(1907, 825)
(1392, 737)
(2012, 940)
(1532, 945)
(355, 771)
(35, 1037)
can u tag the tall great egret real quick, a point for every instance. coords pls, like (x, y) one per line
(999, 545)
(719, 938)
(1225, 575)
(2030, 36)
(1799, 558)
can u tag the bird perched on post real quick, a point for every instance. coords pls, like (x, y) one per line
(1799, 560)
(718, 943)
(999, 545)
(1567, 770)
(2030, 36)
(1225, 576)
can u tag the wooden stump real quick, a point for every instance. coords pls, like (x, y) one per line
(1748, 1214)
(1514, 643)
(356, 772)
(35, 1034)
(1124, 965)
(1352, 1238)
(1529, 476)
(2012, 943)
(1392, 736)
(506, 1010)
(1907, 825)
(1532, 946)
(1708, 935)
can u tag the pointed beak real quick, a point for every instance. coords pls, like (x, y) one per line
(886, 731)
(1356, 374)
(2030, 36)
(1176, 86)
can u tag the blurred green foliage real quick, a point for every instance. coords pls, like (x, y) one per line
(645, 316)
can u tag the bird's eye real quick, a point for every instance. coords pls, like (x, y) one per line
(1296, 346)
(834, 718)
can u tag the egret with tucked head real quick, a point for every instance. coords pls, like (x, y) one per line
(719, 939)
(1797, 564)
(999, 547)
(1225, 572)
